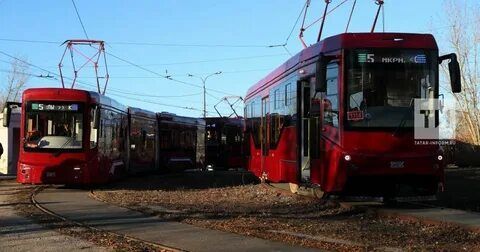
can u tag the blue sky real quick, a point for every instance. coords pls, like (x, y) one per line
(207, 22)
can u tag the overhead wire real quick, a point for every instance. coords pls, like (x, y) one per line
(81, 83)
(205, 61)
(80, 19)
(296, 21)
(293, 27)
(164, 76)
(149, 44)
(330, 11)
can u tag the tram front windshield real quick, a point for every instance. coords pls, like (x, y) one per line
(53, 126)
(382, 85)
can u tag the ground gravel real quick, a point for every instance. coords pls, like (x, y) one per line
(235, 202)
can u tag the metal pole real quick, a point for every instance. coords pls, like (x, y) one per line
(204, 99)
(380, 4)
(204, 81)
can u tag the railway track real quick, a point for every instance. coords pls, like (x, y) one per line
(38, 189)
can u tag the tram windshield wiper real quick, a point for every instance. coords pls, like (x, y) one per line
(69, 140)
(404, 118)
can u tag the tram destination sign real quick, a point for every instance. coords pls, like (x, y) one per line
(408, 58)
(54, 107)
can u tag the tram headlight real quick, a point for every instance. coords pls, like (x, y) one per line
(440, 157)
(24, 168)
(347, 158)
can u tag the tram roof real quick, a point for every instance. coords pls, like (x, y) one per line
(181, 119)
(142, 112)
(67, 94)
(348, 41)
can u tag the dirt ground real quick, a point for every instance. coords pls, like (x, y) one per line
(235, 202)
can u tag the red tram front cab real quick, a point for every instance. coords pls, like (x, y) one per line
(339, 116)
(70, 136)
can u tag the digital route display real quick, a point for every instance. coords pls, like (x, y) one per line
(54, 107)
(364, 57)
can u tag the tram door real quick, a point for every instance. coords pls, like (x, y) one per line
(304, 127)
(264, 132)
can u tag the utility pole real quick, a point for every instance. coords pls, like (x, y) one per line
(204, 80)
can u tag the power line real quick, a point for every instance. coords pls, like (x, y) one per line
(49, 72)
(30, 41)
(165, 76)
(191, 45)
(296, 22)
(149, 44)
(192, 62)
(330, 11)
(157, 103)
(207, 61)
(85, 83)
(180, 74)
(154, 96)
(80, 19)
(29, 74)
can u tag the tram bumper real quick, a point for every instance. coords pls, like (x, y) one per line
(52, 174)
(394, 175)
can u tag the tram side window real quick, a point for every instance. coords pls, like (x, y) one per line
(288, 94)
(276, 117)
(255, 120)
(93, 132)
(290, 104)
(330, 101)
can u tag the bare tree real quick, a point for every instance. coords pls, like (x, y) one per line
(17, 78)
(463, 37)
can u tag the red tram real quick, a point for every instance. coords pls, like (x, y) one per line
(182, 142)
(338, 116)
(79, 137)
(224, 143)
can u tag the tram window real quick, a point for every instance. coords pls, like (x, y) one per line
(256, 121)
(93, 131)
(288, 94)
(290, 102)
(276, 99)
(276, 125)
(330, 101)
(53, 126)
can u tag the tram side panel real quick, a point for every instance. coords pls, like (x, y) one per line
(142, 141)
(111, 151)
(178, 142)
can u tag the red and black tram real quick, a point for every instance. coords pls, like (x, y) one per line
(74, 136)
(224, 143)
(181, 144)
(339, 116)
(71, 137)
(143, 139)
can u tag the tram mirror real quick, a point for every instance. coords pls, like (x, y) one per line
(454, 72)
(96, 117)
(7, 112)
(321, 73)
(6, 115)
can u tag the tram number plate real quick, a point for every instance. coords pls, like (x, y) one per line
(50, 174)
(397, 164)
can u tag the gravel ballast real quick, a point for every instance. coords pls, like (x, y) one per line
(234, 202)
